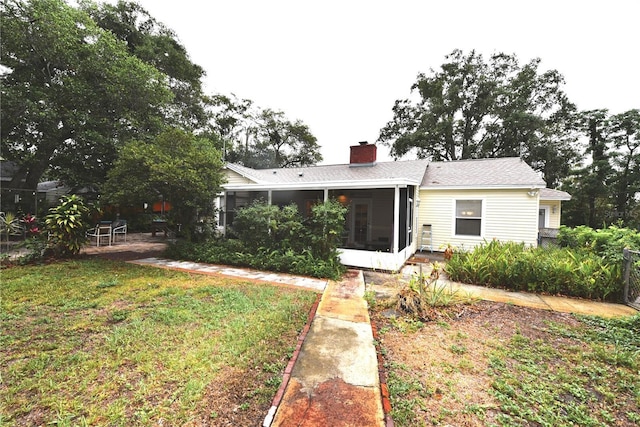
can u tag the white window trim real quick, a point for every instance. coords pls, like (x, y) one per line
(483, 218)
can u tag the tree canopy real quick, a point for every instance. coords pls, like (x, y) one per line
(262, 138)
(281, 143)
(175, 166)
(230, 121)
(605, 187)
(477, 108)
(74, 92)
(157, 45)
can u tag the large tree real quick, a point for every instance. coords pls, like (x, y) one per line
(232, 120)
(282, 143)
(626, 162)
(476, 108)
(606, 187)
(588, 183)
(261, 138)
(71, 93)
(176, 166)
(157, 45)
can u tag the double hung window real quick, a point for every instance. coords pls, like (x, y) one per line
(468, 217)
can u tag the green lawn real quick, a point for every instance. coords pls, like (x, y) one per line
(94, 342)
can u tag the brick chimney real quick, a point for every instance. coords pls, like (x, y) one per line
(363, 154)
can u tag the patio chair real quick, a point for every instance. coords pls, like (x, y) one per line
(119, 227)
(100, 231)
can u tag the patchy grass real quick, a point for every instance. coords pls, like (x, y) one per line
(512, 366)
(107, 343)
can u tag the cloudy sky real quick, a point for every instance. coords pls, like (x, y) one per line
(339, 65)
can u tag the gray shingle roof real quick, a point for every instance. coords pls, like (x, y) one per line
(411, 171)
(500, 172)
(550, 194)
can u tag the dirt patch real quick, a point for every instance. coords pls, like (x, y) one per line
(233, 400)
(446, 362)
(137, 246)
(444, 369)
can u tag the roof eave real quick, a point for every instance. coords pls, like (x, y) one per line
(561, 198)
(241, 171)
(483, 187)
(387, 183)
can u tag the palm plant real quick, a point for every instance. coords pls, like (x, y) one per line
(9, 226)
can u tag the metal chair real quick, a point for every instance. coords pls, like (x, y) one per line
(119, 227)
(99, 232)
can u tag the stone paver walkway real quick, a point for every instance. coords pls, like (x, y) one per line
(335, 380)
(240, 273)
(544, 302)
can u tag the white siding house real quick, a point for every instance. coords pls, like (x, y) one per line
(506, 214)
(468, 202)
(234, 178)
(462, 203)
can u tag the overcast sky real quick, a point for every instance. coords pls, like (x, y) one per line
(339, 65)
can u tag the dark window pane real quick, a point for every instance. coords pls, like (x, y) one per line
(467, 227)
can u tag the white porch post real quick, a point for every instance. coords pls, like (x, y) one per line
(326, 195)
(269, 197)
(224, 214)
(396, 218)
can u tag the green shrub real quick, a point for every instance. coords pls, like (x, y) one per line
(36, 250)
(325, 227)
(66, 226)
(607, 242)
(276, 239)
(234, 252)
(256, 225)
(516, 267)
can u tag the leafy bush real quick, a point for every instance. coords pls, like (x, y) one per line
(325, 227)
(607, 242)
(276, 239)
(235, 252)
(544, 270)
(66, 226)
(270, 227)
